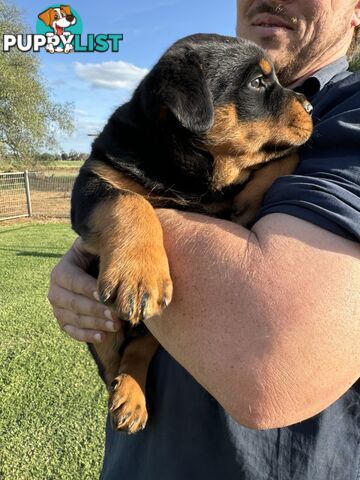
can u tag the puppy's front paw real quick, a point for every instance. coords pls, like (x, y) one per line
(136, 280)
(127, 405)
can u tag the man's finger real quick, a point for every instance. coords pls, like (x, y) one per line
(78, 304)
(74, 279)
(67, 317)
(82, 335)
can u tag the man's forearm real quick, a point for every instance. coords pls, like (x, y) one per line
(234, 327)
(198, 327)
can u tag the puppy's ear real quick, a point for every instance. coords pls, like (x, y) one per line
(45, 16)
(66, 9)
(177, 83)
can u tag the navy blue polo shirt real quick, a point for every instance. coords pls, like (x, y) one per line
(189, 435)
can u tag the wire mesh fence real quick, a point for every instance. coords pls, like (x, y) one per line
(26, 194)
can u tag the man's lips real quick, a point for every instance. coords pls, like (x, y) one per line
(266, 20)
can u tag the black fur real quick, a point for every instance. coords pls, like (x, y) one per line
(157, 138)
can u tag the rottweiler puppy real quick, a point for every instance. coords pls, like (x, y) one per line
(209, 121)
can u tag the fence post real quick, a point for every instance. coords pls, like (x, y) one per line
(27, 190)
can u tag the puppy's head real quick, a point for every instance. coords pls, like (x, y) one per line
(225, 93)
(58, 18)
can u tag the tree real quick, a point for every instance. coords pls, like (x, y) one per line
(29, 119)
(355, 63)
(354, 51)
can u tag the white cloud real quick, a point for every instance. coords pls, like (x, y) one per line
(113, 75)
(81, 113)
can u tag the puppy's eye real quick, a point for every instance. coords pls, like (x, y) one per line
(257, 83)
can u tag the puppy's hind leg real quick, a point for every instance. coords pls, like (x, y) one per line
(107, 356)
(127, 403)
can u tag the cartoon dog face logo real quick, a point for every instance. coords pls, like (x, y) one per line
(58, 18)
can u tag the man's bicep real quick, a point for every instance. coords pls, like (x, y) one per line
(309, 229)
(313, 280)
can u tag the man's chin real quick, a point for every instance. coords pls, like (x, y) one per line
(279, 57)
(271, 39)
(267, 33)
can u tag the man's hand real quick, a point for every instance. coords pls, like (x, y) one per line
(75, 301)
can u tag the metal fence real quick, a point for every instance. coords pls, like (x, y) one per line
(27, 194)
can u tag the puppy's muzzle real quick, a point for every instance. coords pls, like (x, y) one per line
(304, 102)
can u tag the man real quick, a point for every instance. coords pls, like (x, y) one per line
(268, 320)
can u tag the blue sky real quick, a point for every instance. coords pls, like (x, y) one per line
(97, 83)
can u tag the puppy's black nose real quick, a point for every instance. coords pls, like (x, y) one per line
(308, 107)
(304, 102)
(70, 18)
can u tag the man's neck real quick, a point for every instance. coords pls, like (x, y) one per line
(301, 80)
(312, 69)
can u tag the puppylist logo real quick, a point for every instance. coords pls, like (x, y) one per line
(59, 30)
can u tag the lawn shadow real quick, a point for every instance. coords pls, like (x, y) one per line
(39, 254)
(23, 253)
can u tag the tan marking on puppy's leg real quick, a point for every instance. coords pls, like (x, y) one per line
(248, 202)
(108, 354)
(127, 403)
(118, 180)
(115, 178)
(134, 270)
(134, 273)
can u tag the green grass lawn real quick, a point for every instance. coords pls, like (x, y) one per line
(52, 402)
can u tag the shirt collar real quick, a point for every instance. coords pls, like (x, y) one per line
(319, 79)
